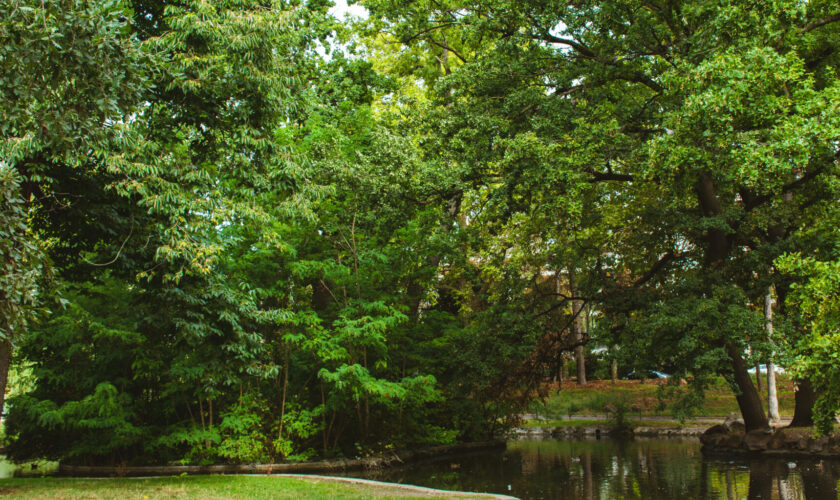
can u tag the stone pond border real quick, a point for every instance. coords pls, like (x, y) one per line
(785, 442)
(723, 440)
(566, 432)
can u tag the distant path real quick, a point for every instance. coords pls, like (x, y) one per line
(428, 492)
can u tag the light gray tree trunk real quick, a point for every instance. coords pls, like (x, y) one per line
(772, 397)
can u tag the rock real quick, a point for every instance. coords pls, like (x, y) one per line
(621, 433)
(732, 418)
(794, 443)
(834, 445)
(720, 437)
(723, 436)
(770, 442)
(818, 445)
(757, 440)
(717, 429)
(777, 440)
(715, 441)
(714, 435)
(802, 443)
(734, 440)
(791, 438)
(736, 426)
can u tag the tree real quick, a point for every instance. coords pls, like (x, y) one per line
(816, 352)
(173, 147)
(55, 122)
(263, 264)
(694, 143)
(20, 271)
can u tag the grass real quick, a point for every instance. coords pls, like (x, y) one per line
(590, 399)
(203, 487)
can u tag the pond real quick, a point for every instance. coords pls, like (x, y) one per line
(607, 469)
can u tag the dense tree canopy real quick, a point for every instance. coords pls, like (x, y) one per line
(246, 231)
(670, 150)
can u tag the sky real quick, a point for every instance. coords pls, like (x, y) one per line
(341, 9)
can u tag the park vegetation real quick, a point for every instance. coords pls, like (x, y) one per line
(250, 231)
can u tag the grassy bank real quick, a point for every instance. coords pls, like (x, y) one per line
(200, 487)
(643, 399)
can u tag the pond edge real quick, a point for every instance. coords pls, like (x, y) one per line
(391, 459)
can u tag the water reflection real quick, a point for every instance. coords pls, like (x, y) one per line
(640, 469)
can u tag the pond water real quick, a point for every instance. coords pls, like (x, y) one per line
(607, 469)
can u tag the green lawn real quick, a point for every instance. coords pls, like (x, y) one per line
(643, 397)
(199, 487)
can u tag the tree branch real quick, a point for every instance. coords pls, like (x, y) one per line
(662, 262)
(760, 200)
(578, 47)
(447, 47)
(819, 23)
(609, 176)
(119, 250)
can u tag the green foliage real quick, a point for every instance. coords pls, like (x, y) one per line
(684, 402)
(71, 74)
(20, 258)
(241, 433)
(817, 354)
(261, 253)
(656, 169)
(249, 258)
(618, 413)
(299, 424)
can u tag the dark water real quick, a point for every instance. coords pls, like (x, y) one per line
(606, 469)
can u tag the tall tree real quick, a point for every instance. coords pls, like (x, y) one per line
(71, 76)
(693, 139)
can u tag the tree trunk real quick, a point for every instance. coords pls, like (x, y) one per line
(772, 396)
(758, 377)
(748, 400)
(716, 252)
(717, 242)
(5, 360)
(285, 386)
(561, 365)
(804, 397)
(614, 370)
(580, 358)
(577, 331)
(561, 362)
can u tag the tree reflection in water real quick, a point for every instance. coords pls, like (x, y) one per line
(606, 469)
